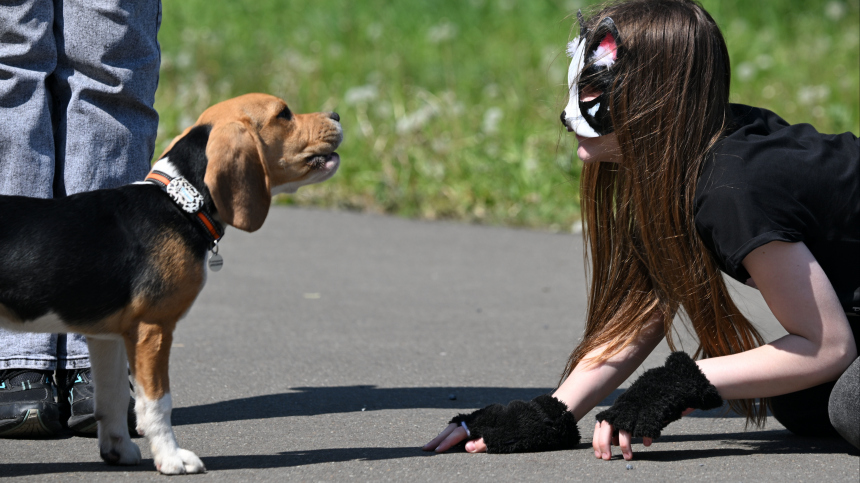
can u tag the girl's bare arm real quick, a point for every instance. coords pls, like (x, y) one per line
(818, 348)
(588, 384)
(819, 345)
(581, 391)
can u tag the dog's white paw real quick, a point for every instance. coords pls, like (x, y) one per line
(179, 462)
(119, 450)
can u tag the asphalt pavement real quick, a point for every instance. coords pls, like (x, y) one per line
(333, 345)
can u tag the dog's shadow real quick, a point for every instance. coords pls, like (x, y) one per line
(312, 401)
(286, 459)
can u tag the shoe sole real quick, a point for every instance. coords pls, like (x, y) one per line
(31, 425)
(84, 426)
(88, 427)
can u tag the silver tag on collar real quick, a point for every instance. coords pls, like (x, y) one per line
(185, 195)
(215, 261)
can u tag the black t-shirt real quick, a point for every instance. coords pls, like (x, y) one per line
(768, 181)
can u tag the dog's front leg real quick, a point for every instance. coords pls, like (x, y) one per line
(110, 377)
(152, 399)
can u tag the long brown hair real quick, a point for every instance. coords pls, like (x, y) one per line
(669, 105)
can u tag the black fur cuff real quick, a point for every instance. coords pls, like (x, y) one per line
(542, 424)
(659, 397)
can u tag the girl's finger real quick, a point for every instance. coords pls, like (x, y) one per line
(605, 440)
(624, 441)
(594, 440)
(459, 434)
(438, 439)
(476, 446)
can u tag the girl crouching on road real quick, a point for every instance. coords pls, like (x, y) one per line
(677, 186)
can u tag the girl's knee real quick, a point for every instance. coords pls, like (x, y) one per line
(805, 413)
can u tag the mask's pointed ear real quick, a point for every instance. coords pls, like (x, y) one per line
(236, 177)
(610, 38)
(583, 31)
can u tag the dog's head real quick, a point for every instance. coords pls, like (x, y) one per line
(257, 147)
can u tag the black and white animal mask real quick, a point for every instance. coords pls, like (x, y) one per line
(593, 53)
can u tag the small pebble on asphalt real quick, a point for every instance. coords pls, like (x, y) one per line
(629, 467)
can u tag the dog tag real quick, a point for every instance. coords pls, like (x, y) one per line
(216, 262)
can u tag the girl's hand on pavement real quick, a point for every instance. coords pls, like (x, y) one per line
(452, 435)
(604, 439)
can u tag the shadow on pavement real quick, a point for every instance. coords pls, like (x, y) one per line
(220, 463)
(760, 442)
(310, 401)
(310, 457)
(30, 469)
(777, 441)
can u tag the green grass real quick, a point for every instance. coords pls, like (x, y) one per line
(450, 107)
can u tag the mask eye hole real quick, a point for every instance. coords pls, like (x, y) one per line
(588, 93)
(285, 114)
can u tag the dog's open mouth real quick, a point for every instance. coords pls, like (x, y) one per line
(324, 161)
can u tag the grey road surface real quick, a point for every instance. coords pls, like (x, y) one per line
(333, 345)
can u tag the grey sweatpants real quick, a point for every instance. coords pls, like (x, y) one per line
(77, 90)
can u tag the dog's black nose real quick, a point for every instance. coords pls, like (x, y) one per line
(335, 116)
(563, 113)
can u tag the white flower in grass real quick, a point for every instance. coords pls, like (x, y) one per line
(360, 94)
(808, 95)
(745, 71)
(441, 32)
(374, 31)
(417, 119)
(492, 117)
(835, 10)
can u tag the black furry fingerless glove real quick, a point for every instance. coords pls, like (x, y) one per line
(659, 397)
(542, 424)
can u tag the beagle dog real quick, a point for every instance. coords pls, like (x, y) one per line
(123, 265)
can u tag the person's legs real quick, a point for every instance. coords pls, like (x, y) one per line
(829, 410)
(844, 404)
(28, 58)
(805, 412)
(107, 74)
(106, 77)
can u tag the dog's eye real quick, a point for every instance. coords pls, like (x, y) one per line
(286, 114)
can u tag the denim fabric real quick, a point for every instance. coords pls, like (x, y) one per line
(77, 90)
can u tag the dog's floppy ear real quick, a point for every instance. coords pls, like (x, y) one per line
(236, 177)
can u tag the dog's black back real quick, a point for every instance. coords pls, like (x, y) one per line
(85, 256)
